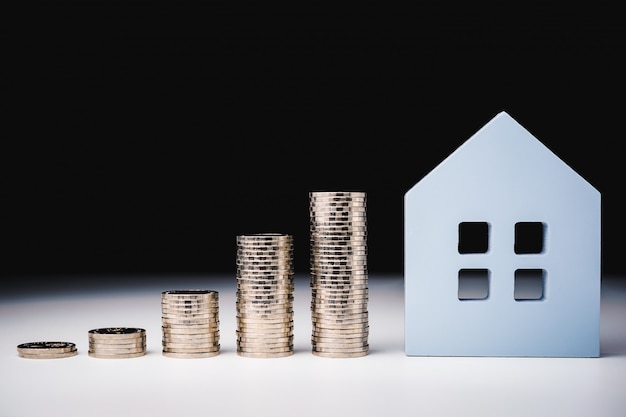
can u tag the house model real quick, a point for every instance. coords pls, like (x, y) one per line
(502, 252)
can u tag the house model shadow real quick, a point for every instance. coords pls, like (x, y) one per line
(502, 252)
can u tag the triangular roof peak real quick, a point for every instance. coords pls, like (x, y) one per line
(503, 146)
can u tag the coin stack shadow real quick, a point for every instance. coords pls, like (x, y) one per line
(339, 276)
(117, 342)
(190, 323)
(265, 295)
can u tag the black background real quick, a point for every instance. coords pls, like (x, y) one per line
(142, 139)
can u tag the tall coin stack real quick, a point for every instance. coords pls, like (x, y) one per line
(190, 323)
(265, 295)
(339, 277)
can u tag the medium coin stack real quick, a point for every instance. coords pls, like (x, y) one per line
(190, 323)
(339, 277)
(117, 342)
(46, 350)
(265, 295)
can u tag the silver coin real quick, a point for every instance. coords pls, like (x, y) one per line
(317, 326)
(326, 306)
(340, 354)
(196, 341)
(193, 355)
(262, 349)
(183, 330)
(116, 356)
(117, 333)
(360, 331)
(46, 347)
(48, 355)
(265, 354)
(215, 348)
(116, 351)
(264, 317)
(262, 327)
(105, 346)
(190, 293)
(195, 345)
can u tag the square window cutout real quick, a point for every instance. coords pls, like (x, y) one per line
(473, 284)
(473, 237)
(529, 237)
(529, 284)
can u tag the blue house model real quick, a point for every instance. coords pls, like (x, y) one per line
(502, 252)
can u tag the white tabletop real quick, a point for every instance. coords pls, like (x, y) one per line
(386, 382)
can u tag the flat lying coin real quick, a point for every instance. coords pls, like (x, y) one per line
(46, 350)
(46, 347)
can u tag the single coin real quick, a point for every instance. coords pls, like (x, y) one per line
(332, 349)
(198, 316)
(188, 321)
(264, 328)
(265, 354)
(322, 297)
(265, 349)
(190, 294)
(168, 302)
(196, 346)
(319, 345)
(338, 312)
(337, 195)
(118, 351)
(215, 348)
(335, 284)
(194, 355)
(348, 332)
(137, 344)
(117, 332)
(116, 356)
(48, 355)
(329, 325)
(196, 341)
(269, 342)
(180, 302)
(46, 347)
(190, 330)
(340, 354)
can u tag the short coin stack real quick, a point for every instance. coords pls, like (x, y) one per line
(190, 323)
(339, 277)
(46, 350)
(265, 295)
(117, 342)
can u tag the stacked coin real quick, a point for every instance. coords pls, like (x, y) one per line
(117, 342)
(46, 350)
(265, 295)
(190, 323)
(339, 277)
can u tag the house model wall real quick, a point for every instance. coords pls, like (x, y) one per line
(502, 252)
